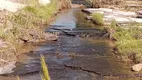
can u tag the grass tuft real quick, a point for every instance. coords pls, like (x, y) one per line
(98, 18)
(44, 69)
(129, 41)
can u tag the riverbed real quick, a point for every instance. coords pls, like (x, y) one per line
(80, 53)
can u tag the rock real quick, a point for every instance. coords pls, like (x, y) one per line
(137, 67)
(77, 6)
(126, 14)
(106, 9)
(51, 37)
(138, 20)
(139, 12)
(91, 10)
(44, 2)
(89, 17)
(8, 68)
(122, 20)
(10, 6)
(139, 16)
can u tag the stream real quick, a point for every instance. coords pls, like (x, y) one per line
(80, 53)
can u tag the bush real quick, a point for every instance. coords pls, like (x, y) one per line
(98, 18)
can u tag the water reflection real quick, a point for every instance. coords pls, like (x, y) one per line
(65, 19)
(73, 18)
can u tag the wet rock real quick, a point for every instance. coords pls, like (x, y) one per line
(50, 37)
(137, 67)
(91, 10)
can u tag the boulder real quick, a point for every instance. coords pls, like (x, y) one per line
(91, 10)
(137, 67)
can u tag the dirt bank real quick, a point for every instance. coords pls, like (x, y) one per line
(21, 27)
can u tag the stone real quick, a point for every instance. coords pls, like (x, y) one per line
(138, 20)
(51, 37)
(10, 6)
(91, 10)
(8, 68)
(106, 9)
(137, 67)
(44, 2)
(139, 12)
(89, 17)
(77, 6)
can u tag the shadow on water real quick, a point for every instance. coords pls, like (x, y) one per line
(72, 57)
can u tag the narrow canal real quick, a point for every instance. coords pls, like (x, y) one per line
(80, 53)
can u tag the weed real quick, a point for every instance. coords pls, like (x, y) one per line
(128, 41)
(98, 18)
(44, 69)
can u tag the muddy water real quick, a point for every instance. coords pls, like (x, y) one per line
(72, 57)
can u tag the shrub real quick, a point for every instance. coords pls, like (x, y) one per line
(98, 18)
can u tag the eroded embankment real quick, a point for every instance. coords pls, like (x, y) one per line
(23, 26)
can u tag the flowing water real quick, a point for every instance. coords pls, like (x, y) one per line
(72, 57)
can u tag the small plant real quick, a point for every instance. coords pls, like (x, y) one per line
(44, 69)
(98, 18)
(106, 3)
(113, 24)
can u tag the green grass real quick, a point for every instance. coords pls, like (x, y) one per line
(98, 18)
(128, 41)
(23, 23)
(44, 69)
(43, 12)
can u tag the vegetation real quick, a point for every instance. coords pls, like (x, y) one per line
(44, 69)
(106, 3)
(43, 12)
(98, 18)
(128, 41)
(25, 26)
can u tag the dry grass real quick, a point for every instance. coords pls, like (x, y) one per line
(64, 4)
(106, 3)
